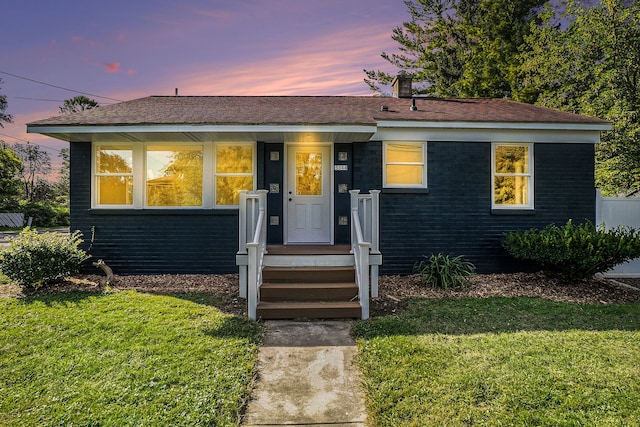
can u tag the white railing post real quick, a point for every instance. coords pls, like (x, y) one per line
(252, 294)
(375, 238)
(354, 205)
(242, 243)
(364, 279)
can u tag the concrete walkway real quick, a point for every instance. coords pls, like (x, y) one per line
(307, 377)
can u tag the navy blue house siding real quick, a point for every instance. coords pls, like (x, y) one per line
(454, 215)
(150, 241)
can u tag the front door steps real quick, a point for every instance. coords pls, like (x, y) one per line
(303, 282)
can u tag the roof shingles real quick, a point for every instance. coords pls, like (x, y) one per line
(308, 110)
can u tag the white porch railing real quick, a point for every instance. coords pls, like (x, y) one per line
(252, 246)
(365, 241)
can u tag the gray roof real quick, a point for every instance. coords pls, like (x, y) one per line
(308, 110)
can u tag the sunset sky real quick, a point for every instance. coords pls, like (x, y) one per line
(129, 49)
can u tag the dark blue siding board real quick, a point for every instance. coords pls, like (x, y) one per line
(342, 203)
(150, 241)
(455, 217)
(273, 174)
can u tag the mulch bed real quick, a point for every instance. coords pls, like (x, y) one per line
(394, 291)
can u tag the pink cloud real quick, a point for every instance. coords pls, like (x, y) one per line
(131, 71)
(78, 39)
(122, 36)
(329, 65)
(112, 67)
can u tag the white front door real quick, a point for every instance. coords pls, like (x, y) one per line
(308, 196)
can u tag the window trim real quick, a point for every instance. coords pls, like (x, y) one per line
(139, 150)
(95, 175)
(215, 174)
(530, 205)
(423, 144)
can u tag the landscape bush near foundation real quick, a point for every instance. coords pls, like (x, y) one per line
(574, 252)
(34, 260)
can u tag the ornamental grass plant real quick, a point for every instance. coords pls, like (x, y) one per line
(444, 271)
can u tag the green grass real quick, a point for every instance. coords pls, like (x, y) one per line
(502, 362)
(123, 359)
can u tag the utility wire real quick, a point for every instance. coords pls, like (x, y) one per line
(59, 87)
(36, 99)
(29, 142)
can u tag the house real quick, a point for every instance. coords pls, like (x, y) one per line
(155, 182)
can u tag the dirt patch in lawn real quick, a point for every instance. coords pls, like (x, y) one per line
(394, 291)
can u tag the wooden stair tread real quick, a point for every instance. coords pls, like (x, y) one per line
(309, 304)
(314, 285)
(309, 310)
(312, 268)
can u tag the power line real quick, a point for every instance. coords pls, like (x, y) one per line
(35, 99)
(29, 142)
(59, 87)
(49, 100)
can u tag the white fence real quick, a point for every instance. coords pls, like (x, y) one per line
(614, 212)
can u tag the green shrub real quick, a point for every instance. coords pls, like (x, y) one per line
(574, 252)
(35, 260)
(45, 214)
(444, 271)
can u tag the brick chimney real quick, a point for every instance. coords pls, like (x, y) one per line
(402, 85)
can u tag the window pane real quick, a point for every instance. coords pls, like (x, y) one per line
(115, 190)
(411, 153)
(114, 159)
(309, 174)
(511, 190)
(234, 159)
(404, 174)
(512, 159)
(227, 188)
(174, 176)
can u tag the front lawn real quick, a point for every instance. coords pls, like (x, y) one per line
(123, 359)
(502, 361)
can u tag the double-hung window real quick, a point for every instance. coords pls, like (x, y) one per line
(512, 175)
(114, 175)
(405, 164)
(234, 171)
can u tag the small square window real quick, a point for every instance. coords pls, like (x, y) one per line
(405, 164)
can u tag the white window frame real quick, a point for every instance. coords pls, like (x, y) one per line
(215, 173)
(95, 175)
(423, 144)
(530, 177)
(139, 174)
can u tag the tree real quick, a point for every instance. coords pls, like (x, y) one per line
(78, 103)
(10, 166)
(62, 186)
(35, 164)
(4, 117)
(461, 48)
(585, 60)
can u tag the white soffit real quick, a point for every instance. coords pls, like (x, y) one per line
(488, 135)
(267, 133)
(400, 124)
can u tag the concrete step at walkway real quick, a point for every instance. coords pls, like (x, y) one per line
(307, 376)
